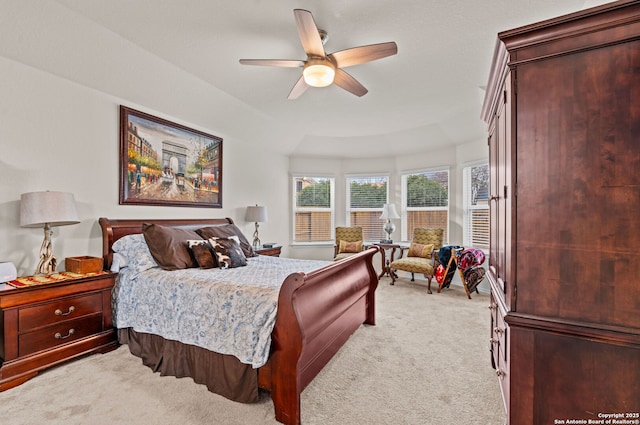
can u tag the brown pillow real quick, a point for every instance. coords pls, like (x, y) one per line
(225, 231)
(420, 250)
(168, 246)
(228, 251)
(349, 247)
(203, 252)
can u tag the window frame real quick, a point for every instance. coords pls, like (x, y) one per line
(404, 199)
(295, 209)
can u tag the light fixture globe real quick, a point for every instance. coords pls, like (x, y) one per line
(319, 72)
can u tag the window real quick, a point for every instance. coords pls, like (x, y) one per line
(365, 199)
(425, 200)
(476, 205)
(313, 209)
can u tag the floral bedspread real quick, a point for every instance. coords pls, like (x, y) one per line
(229, 311)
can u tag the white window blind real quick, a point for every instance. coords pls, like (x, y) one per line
(425, 198)
(313, 209)
(365, 198)
(476, 205)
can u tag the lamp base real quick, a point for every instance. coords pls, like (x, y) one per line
(256, 239)
(48, 262)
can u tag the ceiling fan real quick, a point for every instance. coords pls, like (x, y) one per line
(321, 69)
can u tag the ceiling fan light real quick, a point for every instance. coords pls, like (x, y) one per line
(318, 75)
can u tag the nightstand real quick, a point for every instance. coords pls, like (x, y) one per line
(273, 251)
(44, 325)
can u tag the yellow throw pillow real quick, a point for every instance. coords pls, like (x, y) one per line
(349, 247)
(420, 250)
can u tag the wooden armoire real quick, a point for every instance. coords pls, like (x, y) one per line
(563, 109)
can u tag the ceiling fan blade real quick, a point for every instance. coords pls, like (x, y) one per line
(362, 54)
(297, 90)
(350, 84)
(273, 62)
(309, 34)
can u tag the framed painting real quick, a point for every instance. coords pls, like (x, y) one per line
(165, 163)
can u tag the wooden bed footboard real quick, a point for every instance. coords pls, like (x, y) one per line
(317, 313)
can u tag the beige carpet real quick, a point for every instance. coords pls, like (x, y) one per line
(426, 362)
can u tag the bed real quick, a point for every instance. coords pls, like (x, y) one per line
(317, 311)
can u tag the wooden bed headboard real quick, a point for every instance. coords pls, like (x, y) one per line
(112, 230)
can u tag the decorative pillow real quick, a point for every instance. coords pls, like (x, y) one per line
(225, 231)
(420, 250)
(228, 252)
(203, 252)
(168, 245)
(135, 251)
(349, 247)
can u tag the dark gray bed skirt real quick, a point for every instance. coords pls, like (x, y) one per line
(222, 374)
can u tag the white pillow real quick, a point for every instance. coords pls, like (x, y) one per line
(135, 252)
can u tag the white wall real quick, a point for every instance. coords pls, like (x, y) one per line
(62, 81)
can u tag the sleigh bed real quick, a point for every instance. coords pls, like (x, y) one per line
(316, 312)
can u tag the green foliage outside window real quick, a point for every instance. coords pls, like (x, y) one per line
(368, 194)
(315, 194)
(428, 190)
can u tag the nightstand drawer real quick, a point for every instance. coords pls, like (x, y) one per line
(60, 333)
(58, 311)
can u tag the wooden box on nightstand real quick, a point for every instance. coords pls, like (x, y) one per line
(273, 251)
(44, 325)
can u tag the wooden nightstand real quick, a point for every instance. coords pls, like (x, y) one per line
(44, 325)
(273, 251)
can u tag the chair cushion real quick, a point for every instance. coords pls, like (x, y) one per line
(349, 247)
(413, 265)
(420, 250)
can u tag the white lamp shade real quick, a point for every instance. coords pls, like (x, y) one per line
(54, 208)
(389, 212)
(257, 214)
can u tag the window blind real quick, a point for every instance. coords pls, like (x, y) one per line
(476, 206)
(313, 209)
(366, 197)
(426, 201)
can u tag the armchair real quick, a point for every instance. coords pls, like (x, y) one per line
(349, 241)
(421, 255)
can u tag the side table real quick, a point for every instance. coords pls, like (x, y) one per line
(386, 262)
(44, 325)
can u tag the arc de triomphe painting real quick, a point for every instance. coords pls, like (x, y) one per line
(165, 163)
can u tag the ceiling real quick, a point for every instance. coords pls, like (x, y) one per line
(427, 96)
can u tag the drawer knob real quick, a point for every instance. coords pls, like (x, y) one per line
(500, 373)
(498, 330)
(58, 335)
(493, 341)
(59, 312)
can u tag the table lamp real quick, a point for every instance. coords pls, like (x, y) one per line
(389, 212)
(47, 209)
(257, 214)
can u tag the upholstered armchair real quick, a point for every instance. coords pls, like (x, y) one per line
(421, 255)
(349, 241)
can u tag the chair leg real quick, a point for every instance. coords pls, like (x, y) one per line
(429, 284)
(412, 278)
(393, 275)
